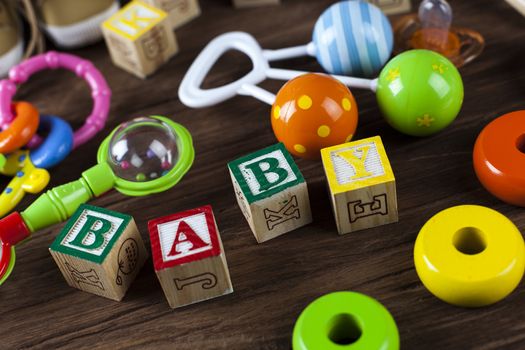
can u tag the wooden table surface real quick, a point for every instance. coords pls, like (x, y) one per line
(273, 281)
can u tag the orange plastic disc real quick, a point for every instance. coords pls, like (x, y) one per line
(22, 129)
(499, 158)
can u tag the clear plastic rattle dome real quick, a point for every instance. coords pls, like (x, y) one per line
(143, 149)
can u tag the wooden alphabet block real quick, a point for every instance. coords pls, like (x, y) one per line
(392, 7)
(253, 3)
(99, 251)
(139, 38)
(361, 183)
(271, 192)
(179, 12)
(188, 257)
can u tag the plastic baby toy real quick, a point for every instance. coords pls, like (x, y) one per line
(431, 29)
(28, 167)
(419, 92)
(143, 156)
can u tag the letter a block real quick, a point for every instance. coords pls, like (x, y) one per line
(188, 257)
(361, 183)
(139, 38)
(99, 251)
(179, 12)
(271, 192)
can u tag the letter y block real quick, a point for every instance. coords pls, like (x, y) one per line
(99, 251)
(361, 183)
(271, 192)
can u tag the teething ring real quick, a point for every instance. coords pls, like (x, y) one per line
(344, 320)
(469, 256)
(52, 60)
(20, 131)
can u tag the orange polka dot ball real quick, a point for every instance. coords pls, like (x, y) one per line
(311, 112)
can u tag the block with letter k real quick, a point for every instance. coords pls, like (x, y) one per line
(99, 251)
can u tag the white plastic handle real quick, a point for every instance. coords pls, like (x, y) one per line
(192, 95)
(190, 92)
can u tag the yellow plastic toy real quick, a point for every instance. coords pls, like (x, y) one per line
(26, 179)
(470, 256)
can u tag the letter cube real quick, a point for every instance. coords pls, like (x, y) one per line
(361, 183)
(139, 38)
(188, 257)
(271, 192)
(99, 251)
(253, 3)
(179, 12)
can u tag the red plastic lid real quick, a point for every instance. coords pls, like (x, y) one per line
(13, 229)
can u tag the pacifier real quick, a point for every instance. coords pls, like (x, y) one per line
(431, 29)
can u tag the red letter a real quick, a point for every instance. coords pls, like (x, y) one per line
(190, 236)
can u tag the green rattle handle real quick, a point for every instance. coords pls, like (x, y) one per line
(59, 203)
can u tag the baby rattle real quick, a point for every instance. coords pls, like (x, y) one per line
(100, 92)
(419, 92)
(142, 156)
(349, 38)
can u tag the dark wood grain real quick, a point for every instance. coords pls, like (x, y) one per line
(273, 281)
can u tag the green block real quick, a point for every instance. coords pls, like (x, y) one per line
(91, 233)
(266, 172)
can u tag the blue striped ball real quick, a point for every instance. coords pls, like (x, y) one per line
(353, 38)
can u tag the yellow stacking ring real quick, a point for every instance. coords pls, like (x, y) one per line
(470, 256)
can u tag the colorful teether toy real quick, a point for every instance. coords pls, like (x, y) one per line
(349, 38)
(140, 157)
(499, 158)
(27, 167)
(470, 256)
(345, 320)
(52, 60)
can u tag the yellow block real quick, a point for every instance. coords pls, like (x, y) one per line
(470, 255)
(356, 164)
(134, 19)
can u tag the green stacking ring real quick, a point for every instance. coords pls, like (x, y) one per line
(345, 320)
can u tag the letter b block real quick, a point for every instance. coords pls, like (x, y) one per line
(271, 192)
(99, 251)
(361, 183)
(139, 38)
(188, 257)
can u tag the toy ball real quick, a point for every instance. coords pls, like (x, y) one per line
(420, 92)
(311, 112)
(353, 38)
(143, 149)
